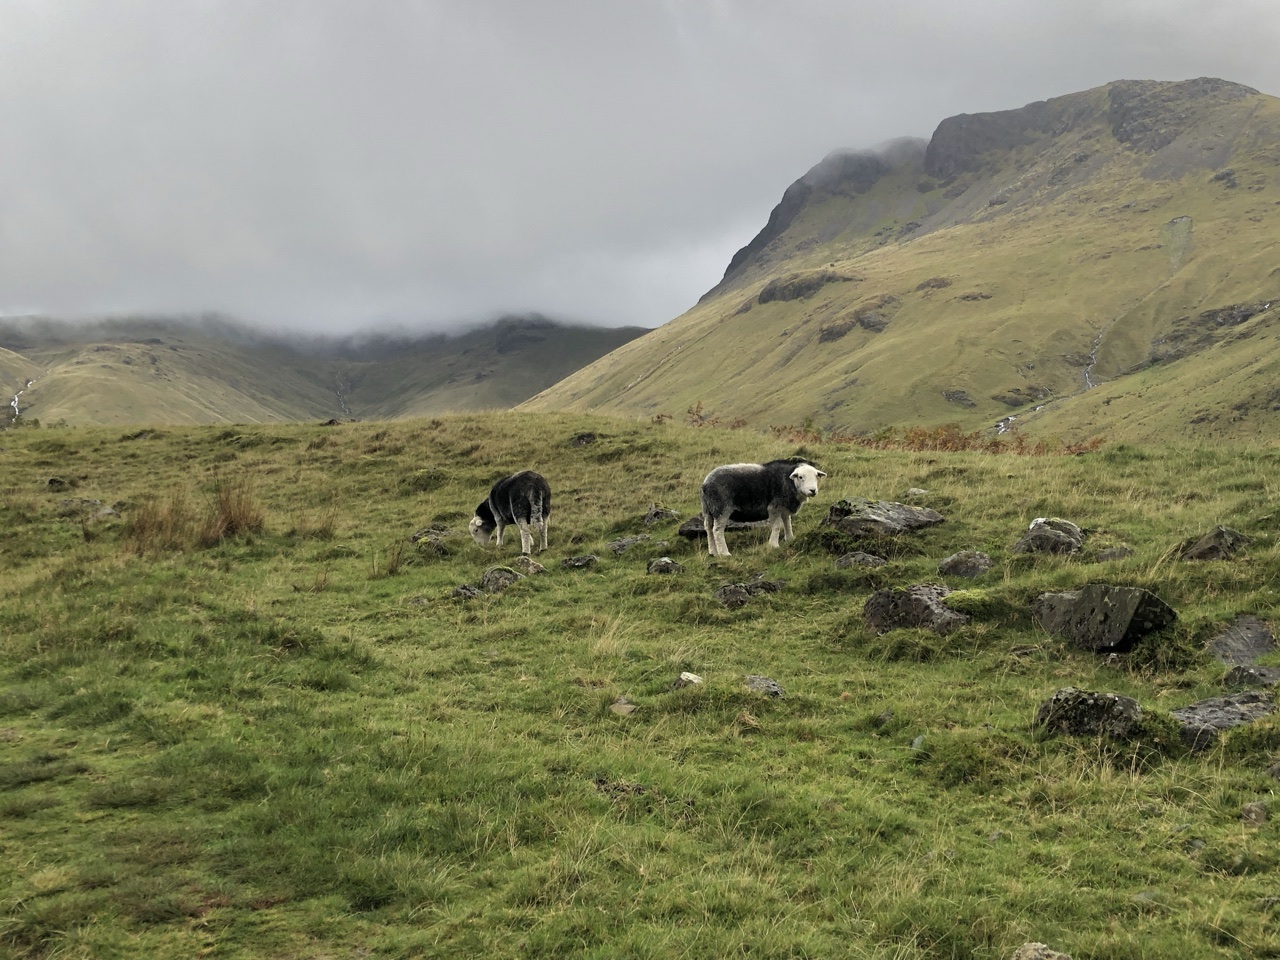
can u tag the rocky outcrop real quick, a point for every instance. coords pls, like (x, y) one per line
(919, 605)
(1050, 535)
(1243, 642)
(859, 517)
(1148, 115)
(1204, 721)
(966, 563)
(1220, 543)
(1087, 713)
(1103, 617)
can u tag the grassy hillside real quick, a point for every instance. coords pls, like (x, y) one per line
(279, 734)
(148, 371)
(1020, 258)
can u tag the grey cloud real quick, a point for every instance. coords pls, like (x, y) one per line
(328, 164)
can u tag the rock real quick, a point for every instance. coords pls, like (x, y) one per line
(1204, 720)
(1248, 675)
(859, 517)
(1038, 951)
(1220, 543)
(966, 563)
(914, 493)
(528, 566)
(1086, 713)
(626, 543)
(919, 605)
(1243, 642)
(658, 514)
(466, 591)
(579, 563)
(859, 559)
(735, 595)
(665, 565)
(1273, 771)
(1255, 813)
(1103, 617)
(497, 579)
(57, 483)
(623, 707)
(1050, 535)
(959, 397)
(770, 688)
(583, 439)
(686, 679)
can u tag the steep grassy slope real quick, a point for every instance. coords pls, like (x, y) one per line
(170, 372)
(1019, 257)
(294, 741)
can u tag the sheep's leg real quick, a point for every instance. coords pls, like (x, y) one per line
(778, 520)
(708, 524)
(544, 532)
(526, 537)
(786, 528)
(501, 526)
(721, 545)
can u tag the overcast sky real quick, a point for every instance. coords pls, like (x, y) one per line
(335, 165)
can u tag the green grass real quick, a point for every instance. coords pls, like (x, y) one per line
(290, 741)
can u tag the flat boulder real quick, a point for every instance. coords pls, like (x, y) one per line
(1250, 675)
(693, 528)
(1244, 641)
(1050, 535)
(665, 565)
(860, 517)
(859, 559)
(1088, 713)
(1220, 543)
(1103, 617)
(919, 605)
(1202, 722)
(497, 579)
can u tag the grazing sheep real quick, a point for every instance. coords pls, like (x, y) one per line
(745, 492)
(524, 499)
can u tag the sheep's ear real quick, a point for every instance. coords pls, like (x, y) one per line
(821, 474)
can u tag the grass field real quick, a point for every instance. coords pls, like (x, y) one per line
(244, 717)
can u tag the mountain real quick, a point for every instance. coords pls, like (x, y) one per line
(1099, 264)
(149, 370)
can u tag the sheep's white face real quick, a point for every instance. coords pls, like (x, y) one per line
(806, 477)
(479, 533)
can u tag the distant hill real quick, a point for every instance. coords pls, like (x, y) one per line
(151, 370)
(1102, 263)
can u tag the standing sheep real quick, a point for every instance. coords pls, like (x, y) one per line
(524, 499)
(747, 492)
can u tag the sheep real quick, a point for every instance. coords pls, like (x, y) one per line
(524, 499)
(756, 491)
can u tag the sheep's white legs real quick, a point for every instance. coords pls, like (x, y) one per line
(501, 526)
(526, 538)
(715, 535)
(543, 525)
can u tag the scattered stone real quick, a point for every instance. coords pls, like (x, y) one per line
(429, 544)
(623, 707)
(1050, 535)
(918, 742)
(1203, 721)
(1255, 813)
(1249, 675)
(583, 439)
(1102, 617)
(1243, 642)
(528, 566)
(883, 717)
(859, 559)
(466, 591)
(1038, 951)
(919, 605)
(686, 679)
(915, 493)
(733, 595)
(579, 563)
(665, 565)
(57, 483)
(1220, 543)
(497, 579)
(1086, 713)
(1273, 771)
(658, 514)
(1114, 553)
(770, 688)
(331, 422)
(84, 508)
(966, 563)
(626, 543)
(859, 517)
(436, 530)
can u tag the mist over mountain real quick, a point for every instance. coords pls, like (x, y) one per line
(1099, 263)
